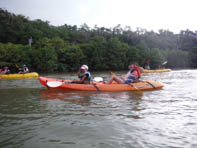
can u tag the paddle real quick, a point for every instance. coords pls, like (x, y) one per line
(150, 84)
(164, 62)
(130, 84)
(98, 79)
(56, 83)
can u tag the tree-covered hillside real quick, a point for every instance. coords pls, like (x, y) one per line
(65, 48)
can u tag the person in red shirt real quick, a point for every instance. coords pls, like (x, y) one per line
(134, 73)
(147, 65)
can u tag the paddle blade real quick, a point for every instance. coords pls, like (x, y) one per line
(54, 83)
(165, 62)
(98, 79)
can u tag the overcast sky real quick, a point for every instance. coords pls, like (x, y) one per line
(174, 15)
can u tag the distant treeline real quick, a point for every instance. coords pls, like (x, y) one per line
(65, 48)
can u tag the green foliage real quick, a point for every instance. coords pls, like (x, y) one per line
(44, 59)
(95, 52)
(44, 43)
(133, 54)
(11, 53)
(73, 57)
(177, 59)
(57, 43)
(116, 54)
(156, 58)
(193, 57)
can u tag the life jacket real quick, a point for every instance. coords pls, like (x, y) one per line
(138, 71)
(88, 78)
(135, 72)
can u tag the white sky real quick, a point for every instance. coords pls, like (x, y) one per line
(174, 15)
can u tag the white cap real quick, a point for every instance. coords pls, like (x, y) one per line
(84, 67)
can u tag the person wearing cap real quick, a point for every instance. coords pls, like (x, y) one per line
(24, 69)
(133, 74)
(84, 75)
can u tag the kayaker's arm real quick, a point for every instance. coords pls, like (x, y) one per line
(81, 80)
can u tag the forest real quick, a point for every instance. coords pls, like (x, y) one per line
(64, 48)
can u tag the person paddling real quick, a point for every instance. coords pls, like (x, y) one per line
(84, 75)
(147, 66)
(5, 70)
(24, 69)
(134, 73)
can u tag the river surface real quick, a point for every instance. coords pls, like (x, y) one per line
(33, 117)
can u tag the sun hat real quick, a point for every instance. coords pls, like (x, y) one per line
(84, 67)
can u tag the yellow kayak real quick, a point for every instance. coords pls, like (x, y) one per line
(19, 76)
(156, 70)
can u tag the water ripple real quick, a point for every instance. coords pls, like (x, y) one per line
(32, 116)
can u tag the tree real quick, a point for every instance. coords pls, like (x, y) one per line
(116, 54)
(44, 59)
(73, 56)
(193, 57)
(156, 58)
(133, 55)
(95, 52)
(57, 43)
(101, 48)
(177, 59)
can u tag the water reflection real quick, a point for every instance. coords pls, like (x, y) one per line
(74, 97)
(32, 116)
(119, 104)
(84, 97)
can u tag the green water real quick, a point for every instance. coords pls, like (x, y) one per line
(32, 116)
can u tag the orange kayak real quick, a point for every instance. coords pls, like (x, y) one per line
(100, 86)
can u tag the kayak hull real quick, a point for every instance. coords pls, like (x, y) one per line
(19, 76)
(100, 86)
(156, 70)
